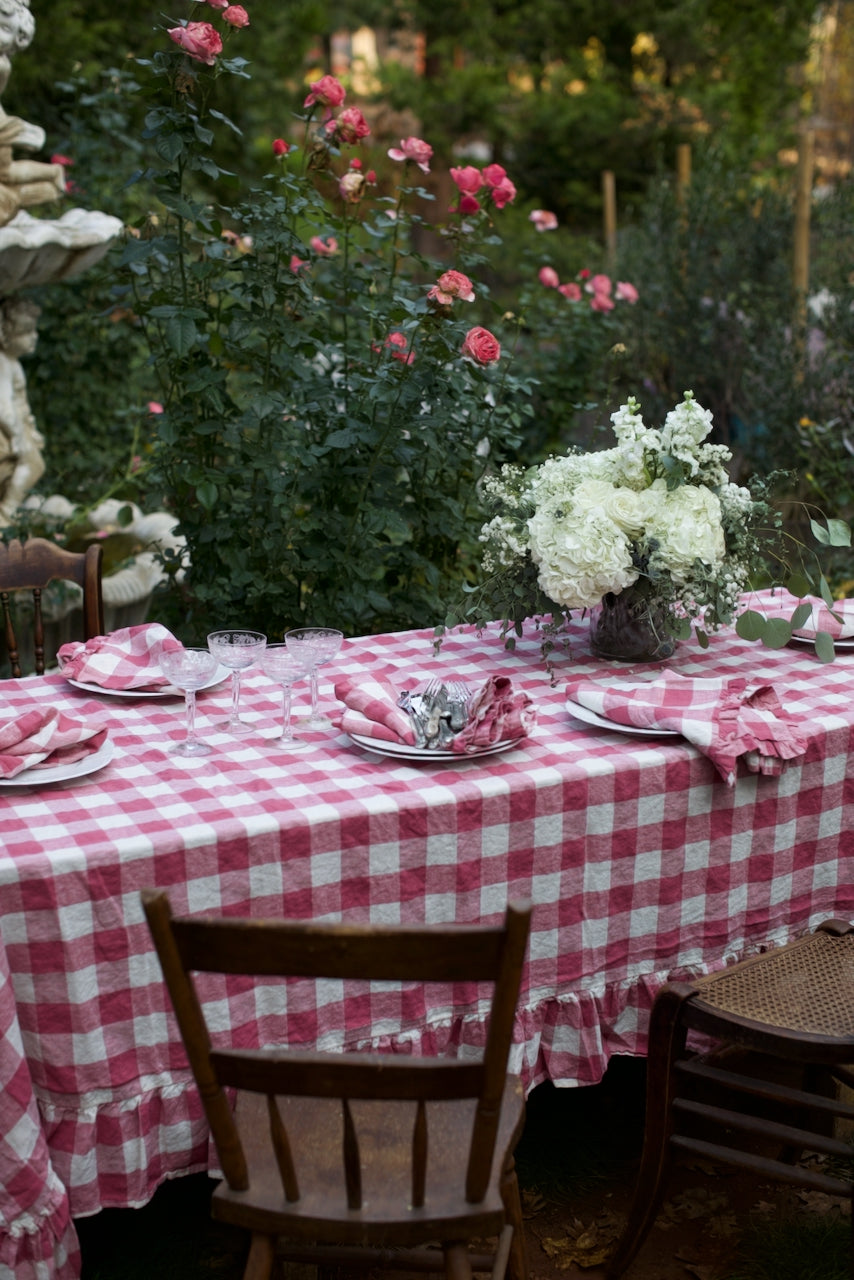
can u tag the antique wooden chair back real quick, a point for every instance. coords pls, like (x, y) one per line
(789, 1006)
(318, 1148)
(31, 565)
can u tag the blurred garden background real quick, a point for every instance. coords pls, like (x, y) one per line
(258, 354)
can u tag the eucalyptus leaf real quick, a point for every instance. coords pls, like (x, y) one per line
(824, 647)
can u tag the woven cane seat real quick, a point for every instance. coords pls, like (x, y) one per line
(807, 986)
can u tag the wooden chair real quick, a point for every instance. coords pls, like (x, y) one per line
(31, 565)
(329, 1151)
(791, 1005)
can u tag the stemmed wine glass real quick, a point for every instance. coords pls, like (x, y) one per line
(280, 665)
(188, 669)
(312, 647)
(236, 650)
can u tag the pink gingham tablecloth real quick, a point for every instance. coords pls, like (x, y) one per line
(641, 862)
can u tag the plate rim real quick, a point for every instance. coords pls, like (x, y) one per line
(602, 722)
(35, 777)
(844, 642)
(168, 691)
(399, 751)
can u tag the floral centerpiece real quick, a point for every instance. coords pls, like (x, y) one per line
(651, 536)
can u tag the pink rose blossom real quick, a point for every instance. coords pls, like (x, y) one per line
(280, 147)
(494, 175)
(413, 149)
(355, 163)
(543, 220)
(328, 91)
(199, 41)
(571, 291)
(468, 179)
(626, 292)
(298, 264)
(371, 176)
(450, 285)
(350, 126)
(549, 277)
(396, 344)
(601, 302)
(481, 346)
(503, 193)
(218, 4)
(56, 158)
(154, 406)
(236, 16)
(326, 248)
(468, 204)
(351, 186)
(584, 273)
(599, 284)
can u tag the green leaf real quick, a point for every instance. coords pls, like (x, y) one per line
(777, 633)
(750, 625)
(217, 115)
(798, 585)
(820, 533)
(824, 647)
(801, 615)
(207, 494)
(826, 593)
(181, 334)
(839, 533)
(125, 515)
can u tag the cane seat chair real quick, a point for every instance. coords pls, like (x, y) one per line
(30, 566)
(358, 1159)
(790, 1006)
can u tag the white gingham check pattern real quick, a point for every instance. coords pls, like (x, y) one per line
(641, 863)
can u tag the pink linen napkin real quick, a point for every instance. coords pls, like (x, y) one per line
(495, 714)
(38, 739)
(125, 659)
(371, 709)
(727, 720)
(779, 603)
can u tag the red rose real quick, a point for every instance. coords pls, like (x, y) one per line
(280, 147)
(481, 346)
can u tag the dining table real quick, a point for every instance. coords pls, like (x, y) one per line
(642, 865)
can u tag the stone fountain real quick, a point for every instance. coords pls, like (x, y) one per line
(43, 251)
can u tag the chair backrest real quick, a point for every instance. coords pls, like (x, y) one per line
(441, 954)
(30, 566)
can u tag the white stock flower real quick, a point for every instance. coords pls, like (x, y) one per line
(685, 427)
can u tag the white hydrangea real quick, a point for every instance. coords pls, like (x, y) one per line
(623, 506)
(735, 501)
(687, 524)
(685, 428)
(579, 559)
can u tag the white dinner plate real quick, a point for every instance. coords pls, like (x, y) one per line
(62, 772)
(602, 722)
(400, 750)
(168, 690)
(809, 641)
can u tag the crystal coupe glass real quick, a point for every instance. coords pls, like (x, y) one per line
(312, 647)
(280, 665)
(189, 669)
(237, 650)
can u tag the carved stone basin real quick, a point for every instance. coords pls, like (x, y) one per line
(45, 250)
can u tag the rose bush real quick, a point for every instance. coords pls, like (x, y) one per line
(328, 407)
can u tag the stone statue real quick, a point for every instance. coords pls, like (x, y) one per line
(22, 182)
(21, 462)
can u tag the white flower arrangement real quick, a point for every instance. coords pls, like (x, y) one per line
(657, 516)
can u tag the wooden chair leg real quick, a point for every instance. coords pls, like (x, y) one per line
(457, 1265)
(666, 1043)
(259, 1264)
(517, 1265)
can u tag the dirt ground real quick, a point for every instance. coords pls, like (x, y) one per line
(577, 1165)
(573, 1220)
